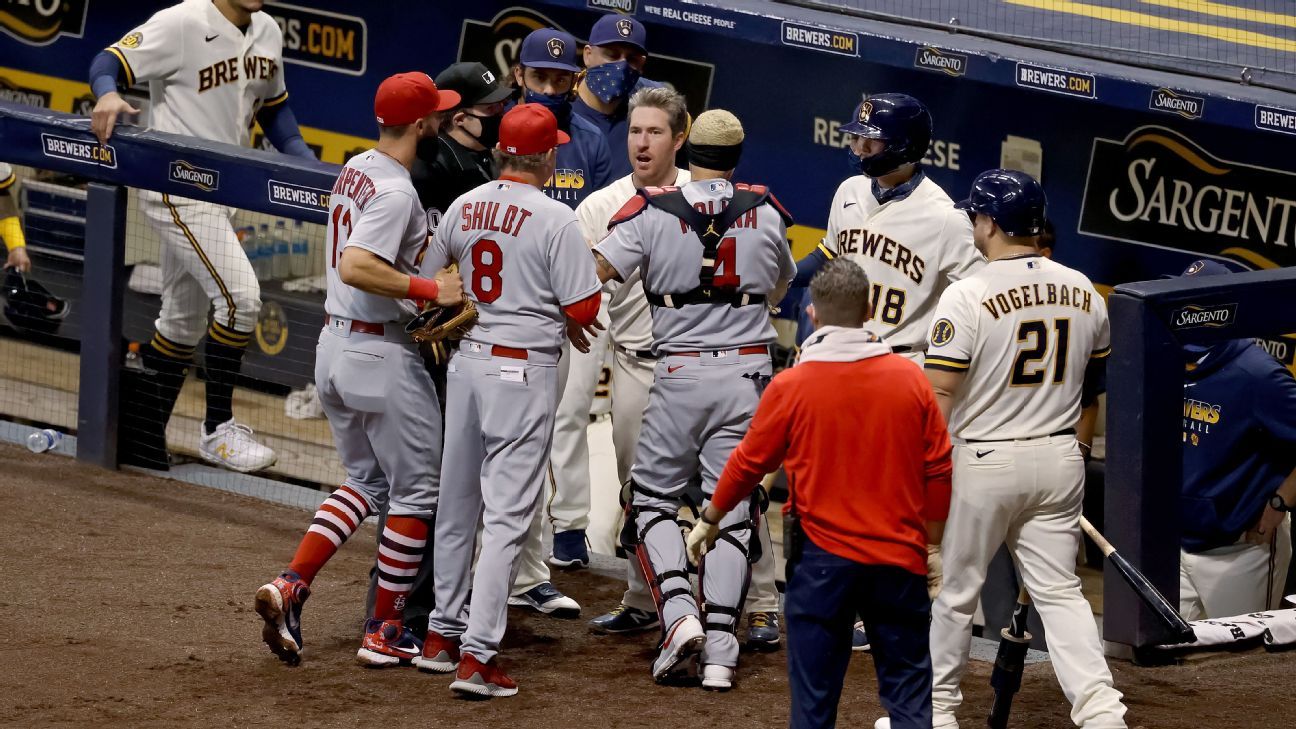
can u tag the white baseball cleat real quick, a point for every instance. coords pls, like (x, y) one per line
(232, 446)
(717, 678)
(684, 639)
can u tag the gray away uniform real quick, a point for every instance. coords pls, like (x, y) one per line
(389, 446)
(705, 389)
(522, 258)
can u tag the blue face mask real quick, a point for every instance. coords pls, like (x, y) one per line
(559, 104)
(611, 81)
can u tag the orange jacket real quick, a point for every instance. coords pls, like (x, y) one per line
(867, 455)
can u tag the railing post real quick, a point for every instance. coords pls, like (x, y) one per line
(104, 283)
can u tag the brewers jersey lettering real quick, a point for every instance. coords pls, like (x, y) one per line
(207, 78)
(374, 206)
(1024, 329)
(911, 246)
(522, 258)
(754, 258)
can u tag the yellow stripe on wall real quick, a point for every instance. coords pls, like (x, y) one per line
(1156, 22)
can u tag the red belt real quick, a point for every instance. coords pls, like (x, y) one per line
(364, 327)
(510, 352)
(754, 349)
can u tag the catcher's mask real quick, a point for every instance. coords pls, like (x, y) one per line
(30, 306)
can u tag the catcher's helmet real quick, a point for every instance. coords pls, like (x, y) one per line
(899, 120)
(29, 305)
(1014, 200)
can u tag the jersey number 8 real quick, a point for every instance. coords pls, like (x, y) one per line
(1033, 335)
(487, 262)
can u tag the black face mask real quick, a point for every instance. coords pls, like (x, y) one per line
(490, 126)
(426, 149)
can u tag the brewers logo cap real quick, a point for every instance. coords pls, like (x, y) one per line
(612, 29)
(549, 48)
(530, 129)
(407, 97)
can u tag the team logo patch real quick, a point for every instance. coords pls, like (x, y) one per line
(1195, 268)
(556, 47)
(624, 27)
(272, 328)
(866, 111)
(488, 77)
(942, 332)
(131, 41)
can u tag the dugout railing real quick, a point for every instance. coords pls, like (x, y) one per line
(94, 275)
(1150, 322)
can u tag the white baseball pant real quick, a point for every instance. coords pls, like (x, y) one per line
(1235, 580)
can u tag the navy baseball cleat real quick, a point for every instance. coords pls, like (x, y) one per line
(763, 631)
(859, 638)
(388, 643)
(624, 619)
(279, 603)
(569, 550)
(546, 599)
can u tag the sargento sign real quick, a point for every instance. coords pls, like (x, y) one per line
(1158, 187)
(1192, 316)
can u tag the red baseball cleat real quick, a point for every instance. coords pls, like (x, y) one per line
(387, 643)
(440, 654)
(475, 679)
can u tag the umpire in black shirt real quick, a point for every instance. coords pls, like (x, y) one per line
(459, 158)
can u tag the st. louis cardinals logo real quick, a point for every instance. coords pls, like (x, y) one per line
(556, 47)
(624, 27)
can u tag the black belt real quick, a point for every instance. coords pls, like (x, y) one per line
(1064, 431)
(901, 349)
(640, 353)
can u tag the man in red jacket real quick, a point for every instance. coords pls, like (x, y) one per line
(867, 455)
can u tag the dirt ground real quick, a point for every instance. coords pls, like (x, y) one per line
(127, 601)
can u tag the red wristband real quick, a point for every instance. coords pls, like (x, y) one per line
(424, 289)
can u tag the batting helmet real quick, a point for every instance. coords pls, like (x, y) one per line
(1014, 200)
(899, 120)
(30, 306)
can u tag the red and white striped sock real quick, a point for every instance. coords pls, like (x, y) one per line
(337, 519)
(400, 551)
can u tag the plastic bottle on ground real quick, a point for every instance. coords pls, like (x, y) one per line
(44, 440)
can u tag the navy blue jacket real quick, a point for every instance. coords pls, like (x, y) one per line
(584, 164)
(1239, 441)
(615, 128)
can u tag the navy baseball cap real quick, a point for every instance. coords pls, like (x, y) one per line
(549, 48)
(619, 29)
(1204, 267)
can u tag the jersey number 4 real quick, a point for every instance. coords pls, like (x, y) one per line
(726, 261)
(1033, 337)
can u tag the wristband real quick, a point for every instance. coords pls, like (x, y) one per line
(423, 289)
(12, 233)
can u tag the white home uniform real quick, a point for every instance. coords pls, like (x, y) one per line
(1023, 329)
(522, 259)
(7, 176)
(713, 358)
(389, 445)
(206, 79)
(911, 245)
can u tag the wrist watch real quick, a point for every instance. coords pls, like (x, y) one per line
(1277, 504)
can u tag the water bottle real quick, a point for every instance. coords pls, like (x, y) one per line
(44, 440)
(265, 253)
(282, 266)
(300, 252)
(247, 238)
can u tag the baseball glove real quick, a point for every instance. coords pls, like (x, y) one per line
(438, 323)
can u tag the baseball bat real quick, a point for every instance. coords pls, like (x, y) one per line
(1179, 629)
(1009, 663)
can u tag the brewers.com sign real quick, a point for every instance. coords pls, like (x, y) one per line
(1158, 187)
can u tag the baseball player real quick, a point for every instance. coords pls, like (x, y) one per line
(378, 397)
(658, 122)
(1015, 353)
(529, 273)
(213, 67)
(614, 63)
(1239, 437)
(546, 73)
(11, 231)
(711, 254)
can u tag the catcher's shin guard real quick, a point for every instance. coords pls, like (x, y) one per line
(719, 614)
(665, 581)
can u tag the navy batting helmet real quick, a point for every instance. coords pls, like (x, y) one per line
(1014, 200)
(30, 306)
(899, 120)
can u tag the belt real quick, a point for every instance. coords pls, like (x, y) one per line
(495, 350)
(640, 353)
(1064, 431)
(364, 327)
(753, 349)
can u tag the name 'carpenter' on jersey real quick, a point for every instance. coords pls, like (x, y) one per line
(1028, 295)
(226, 71)
(354, 184)
(884, 249)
